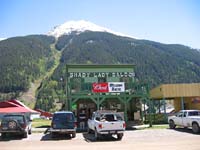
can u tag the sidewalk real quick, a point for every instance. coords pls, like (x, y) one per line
(134, 127)
(158, 126)
(40, 130)
(140, 126)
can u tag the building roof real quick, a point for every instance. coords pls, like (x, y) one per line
(175, 90)
(44, 113)
(100, 65)
(14, 106)
(100, 68)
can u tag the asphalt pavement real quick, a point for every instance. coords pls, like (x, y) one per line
(148, 139)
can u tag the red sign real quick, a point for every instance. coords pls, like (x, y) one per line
(100, 87)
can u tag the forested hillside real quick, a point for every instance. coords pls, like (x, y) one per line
(155, 63)
(22, 60)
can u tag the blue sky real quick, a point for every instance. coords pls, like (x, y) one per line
(166, 21)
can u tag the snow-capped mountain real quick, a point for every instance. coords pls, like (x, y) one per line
(1, 39)
(79, 26)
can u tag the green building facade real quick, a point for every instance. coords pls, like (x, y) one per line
(125, 93)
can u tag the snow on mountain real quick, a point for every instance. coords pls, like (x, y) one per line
(79, 26)
(1, 39)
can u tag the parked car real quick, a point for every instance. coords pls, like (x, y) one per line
(15, 124)
(186, 118)
(63, 122)
(106, 123)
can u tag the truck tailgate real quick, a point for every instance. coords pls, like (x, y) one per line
(115, 125)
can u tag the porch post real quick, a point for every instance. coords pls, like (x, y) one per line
(150, 112)
(159, 106)
(141, 112)
(125, 110)
(98, 101)
(165, 113)
(182, 103)
(67, 102)
(145, 113)
(70, 104)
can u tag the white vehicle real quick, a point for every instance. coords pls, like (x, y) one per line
(106, 123)
(186, 118)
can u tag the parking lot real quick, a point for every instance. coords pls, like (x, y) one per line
(148, 139)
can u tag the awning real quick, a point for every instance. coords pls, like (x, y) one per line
(14, 106)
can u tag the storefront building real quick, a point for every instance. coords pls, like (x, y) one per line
(184, 96)
(105, 87)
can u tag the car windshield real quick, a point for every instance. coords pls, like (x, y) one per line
(18, 118)
(111, 117)
(63, 116)
(119, 117)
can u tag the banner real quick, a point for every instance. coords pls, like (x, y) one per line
(108, 87)
(116, 87)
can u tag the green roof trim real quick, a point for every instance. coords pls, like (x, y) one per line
(100, 66)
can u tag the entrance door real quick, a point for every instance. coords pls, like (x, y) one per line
(134, 110)
(85, 108)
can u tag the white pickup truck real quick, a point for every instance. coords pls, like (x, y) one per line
(186, 118)
(106, 123)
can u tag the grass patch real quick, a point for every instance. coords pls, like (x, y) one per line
(164, 126)
(41, 123)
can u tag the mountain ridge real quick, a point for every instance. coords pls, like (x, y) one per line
(26, 59)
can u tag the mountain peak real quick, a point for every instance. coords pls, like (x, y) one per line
(78, 26)
(1, 39)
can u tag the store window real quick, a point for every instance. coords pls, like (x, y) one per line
(102, 79)
(126, 80)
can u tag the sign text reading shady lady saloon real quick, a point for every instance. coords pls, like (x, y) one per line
(100, 74)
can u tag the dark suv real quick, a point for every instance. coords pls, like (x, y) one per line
(15, 124)
(63, 122)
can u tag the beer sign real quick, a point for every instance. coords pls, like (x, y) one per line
(107, 87)
(100, 87)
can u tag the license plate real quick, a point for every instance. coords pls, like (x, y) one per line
(4, 128)
(112, 131)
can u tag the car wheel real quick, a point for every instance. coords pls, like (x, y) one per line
(29, 131)
(172, 124)
(195, 128)
(96, 135)
(74, 135)
(3, 135)
(12, 124)
(25, 135)
(89, 130)
(119, 136)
